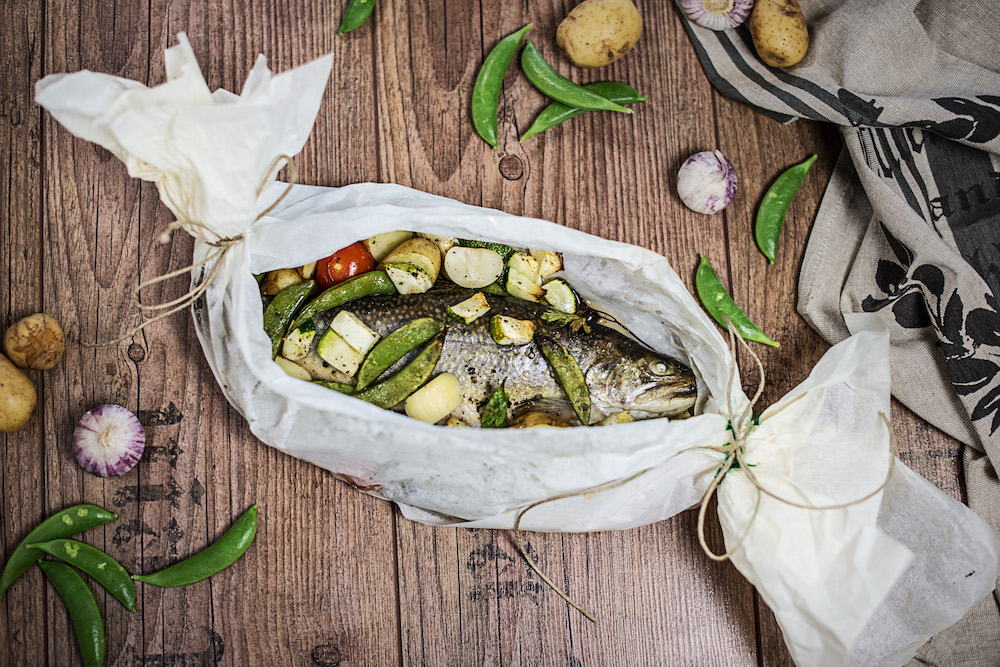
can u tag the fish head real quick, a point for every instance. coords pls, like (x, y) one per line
(650, 384)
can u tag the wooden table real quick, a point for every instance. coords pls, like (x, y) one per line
(336, 577)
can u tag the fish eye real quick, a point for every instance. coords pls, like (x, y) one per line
(658, 367)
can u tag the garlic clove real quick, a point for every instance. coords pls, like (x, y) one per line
(108, 441)
(716, 14)
(706, 182)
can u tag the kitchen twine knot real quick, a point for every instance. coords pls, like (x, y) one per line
(741, 426)
(202, 232)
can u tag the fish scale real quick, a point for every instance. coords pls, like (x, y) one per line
(470, 353)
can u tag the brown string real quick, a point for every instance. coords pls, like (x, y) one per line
(222, 246)
(741, 426)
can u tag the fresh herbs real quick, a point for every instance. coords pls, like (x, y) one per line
(495, 411)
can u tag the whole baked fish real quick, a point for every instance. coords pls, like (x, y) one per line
(621, 374)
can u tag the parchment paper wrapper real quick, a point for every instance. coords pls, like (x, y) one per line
(864, 584)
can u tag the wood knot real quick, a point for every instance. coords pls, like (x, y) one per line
(136, 352)
(326, 655)
(511, 167)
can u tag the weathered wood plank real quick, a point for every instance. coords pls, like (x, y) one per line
(22, 491)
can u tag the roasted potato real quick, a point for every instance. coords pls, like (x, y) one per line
(598, 32)
(779, 32)
(34, 342)
(279, 279)
(17, 397)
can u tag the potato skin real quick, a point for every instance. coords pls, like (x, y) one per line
(279, 279)
(17, 397)
(34, 342)
(779, 32)
(598, 32)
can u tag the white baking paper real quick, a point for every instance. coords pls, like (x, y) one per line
(891, 570)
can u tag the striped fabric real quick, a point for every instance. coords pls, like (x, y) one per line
(909, 226)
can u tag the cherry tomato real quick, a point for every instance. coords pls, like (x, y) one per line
(343, 264)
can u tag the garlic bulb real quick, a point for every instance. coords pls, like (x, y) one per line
(716, 14)
(706, 182)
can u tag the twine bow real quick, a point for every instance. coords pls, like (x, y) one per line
(741, 426)
(202, 232)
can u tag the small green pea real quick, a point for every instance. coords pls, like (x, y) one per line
(774, 207)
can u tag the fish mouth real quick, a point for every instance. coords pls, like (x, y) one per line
(667, 399)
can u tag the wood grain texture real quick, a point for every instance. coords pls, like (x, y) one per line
(335, 576)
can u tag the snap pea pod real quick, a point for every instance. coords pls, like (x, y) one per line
(367, 284)
(214, 558)
(83, 610)
(103, 568)
(393, 391)
(395, 346)
(774, 207)
(553, 84)
(557, 112)
(721, 306)
(282, 309)
(356, 14)
(335, 386)
(486, 92)
(568, 375)
(64, 523)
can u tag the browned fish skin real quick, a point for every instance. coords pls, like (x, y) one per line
(618, 370)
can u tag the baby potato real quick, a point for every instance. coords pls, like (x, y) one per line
(279, 279)
(34, 342)
(598, 32)
(779, 32)
(17, 397)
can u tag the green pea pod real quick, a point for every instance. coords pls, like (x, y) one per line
(212, 559)
(395, 346)
(83, 609)
(65, 523)
(367, 284)
(103, 568)
(557, 112)
(486, 92)
(555, 85)
(393, 391)
(721, 306)
(335, 386)
(771, 214)
(568, 375)
(357, 13)
(282, 309)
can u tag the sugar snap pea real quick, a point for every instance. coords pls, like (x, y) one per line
(721, 306)
(356, 14)
(557, 112)
(486, 92)
(64, 523)
(83, 609)
(335, 386)
(367, 284)
(568, 375)
(103, 568)
(214, 558)
(393, 391)
(282, 309)
(553, 84)
(774, 207)
(394, 346)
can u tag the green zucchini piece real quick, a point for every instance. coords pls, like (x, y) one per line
(568, 375)
(408, 379)
(505, 250)
(367, 284)
(510, 331)
(395, 346)
(470, 310)
(560, 296)
(282, 309)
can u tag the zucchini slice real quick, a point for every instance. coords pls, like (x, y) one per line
(525, 264)
(409, 279)
(523, 287)
(293, 369)
(297, 343)
(470, 310)
(549, 262)
(561, 296)
(509, 331)
(357, 334)
(335, 351)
